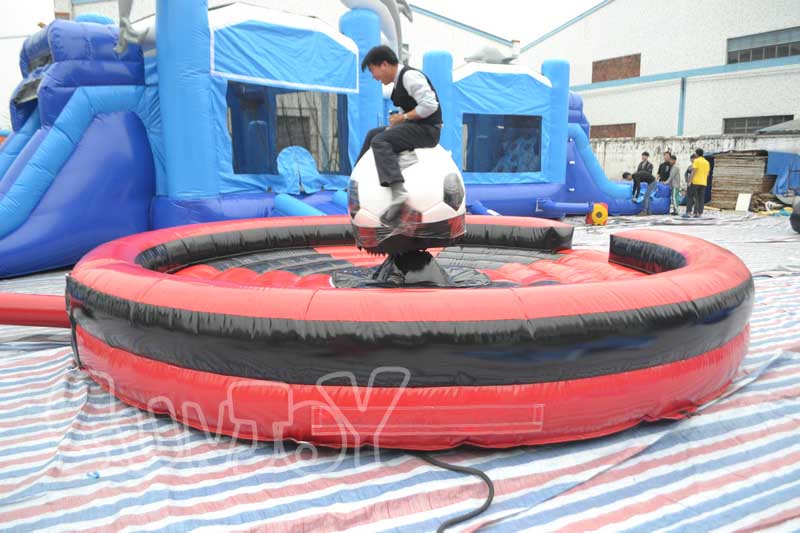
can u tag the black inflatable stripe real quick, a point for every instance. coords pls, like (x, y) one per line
(491, 352)
(176, 254)
(470, 353)
(644, 256)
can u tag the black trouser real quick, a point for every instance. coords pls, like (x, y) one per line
(639, 177)
(689, 199)
(386, 143)
(698, 193)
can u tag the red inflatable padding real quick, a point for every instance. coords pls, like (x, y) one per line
(199, 272)
(33, 310)
(111, 270)
(413, 418)
(639, 361)
(242, 276)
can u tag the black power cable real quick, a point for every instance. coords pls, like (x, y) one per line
(465, 470)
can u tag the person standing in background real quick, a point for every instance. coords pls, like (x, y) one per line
(645, 165)
(689, 192)
(700, 170)
(674, 182)
(644, 172)
(663, 168)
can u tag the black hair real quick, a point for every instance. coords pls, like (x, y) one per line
(625, 175)
(699, 152)
(646, 153)
(377, 55)
(693, 156)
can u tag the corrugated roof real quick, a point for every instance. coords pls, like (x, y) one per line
(790, 126)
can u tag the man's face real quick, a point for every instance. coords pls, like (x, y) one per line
(644, 157)
(384, 72)
(667, 158)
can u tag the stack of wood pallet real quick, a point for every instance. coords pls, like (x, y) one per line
(739, 172)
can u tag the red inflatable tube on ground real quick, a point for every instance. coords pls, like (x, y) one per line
(33, 310)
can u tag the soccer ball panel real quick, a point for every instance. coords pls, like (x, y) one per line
(440, 211)
(426, 181)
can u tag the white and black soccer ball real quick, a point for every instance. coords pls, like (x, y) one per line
(435, 210)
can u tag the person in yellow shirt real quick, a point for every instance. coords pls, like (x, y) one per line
(699, 181)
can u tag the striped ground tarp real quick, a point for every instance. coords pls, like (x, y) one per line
(74, 458)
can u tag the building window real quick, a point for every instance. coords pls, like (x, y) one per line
(616, 68)
(779, 43)
(612, 131)
(743, 125)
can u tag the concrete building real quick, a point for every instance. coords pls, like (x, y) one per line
(681, 68)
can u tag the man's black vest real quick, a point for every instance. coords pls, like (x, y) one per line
(404, 101)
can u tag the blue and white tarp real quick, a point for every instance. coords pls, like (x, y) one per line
(786, 168)
(72, 457)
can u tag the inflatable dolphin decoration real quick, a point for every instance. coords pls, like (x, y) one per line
(127, 34)
(490, 54)
(389, 12)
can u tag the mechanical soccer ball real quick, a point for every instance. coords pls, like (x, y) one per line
(434, 214)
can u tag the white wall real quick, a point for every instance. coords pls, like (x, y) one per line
(620, 155)
(762, 92)
(671, 36)
(63, 6)
(16, 23)
(653, 107)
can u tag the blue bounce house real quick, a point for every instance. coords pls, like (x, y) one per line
(242, 111)
(522, 141)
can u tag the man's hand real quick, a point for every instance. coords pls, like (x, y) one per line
(396, 119)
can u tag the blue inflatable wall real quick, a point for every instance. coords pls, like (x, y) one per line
(184, 62)
(365, 109)
(438, 66)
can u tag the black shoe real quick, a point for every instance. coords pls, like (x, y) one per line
(391, 217)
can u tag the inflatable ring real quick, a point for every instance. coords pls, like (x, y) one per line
(233, 327)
